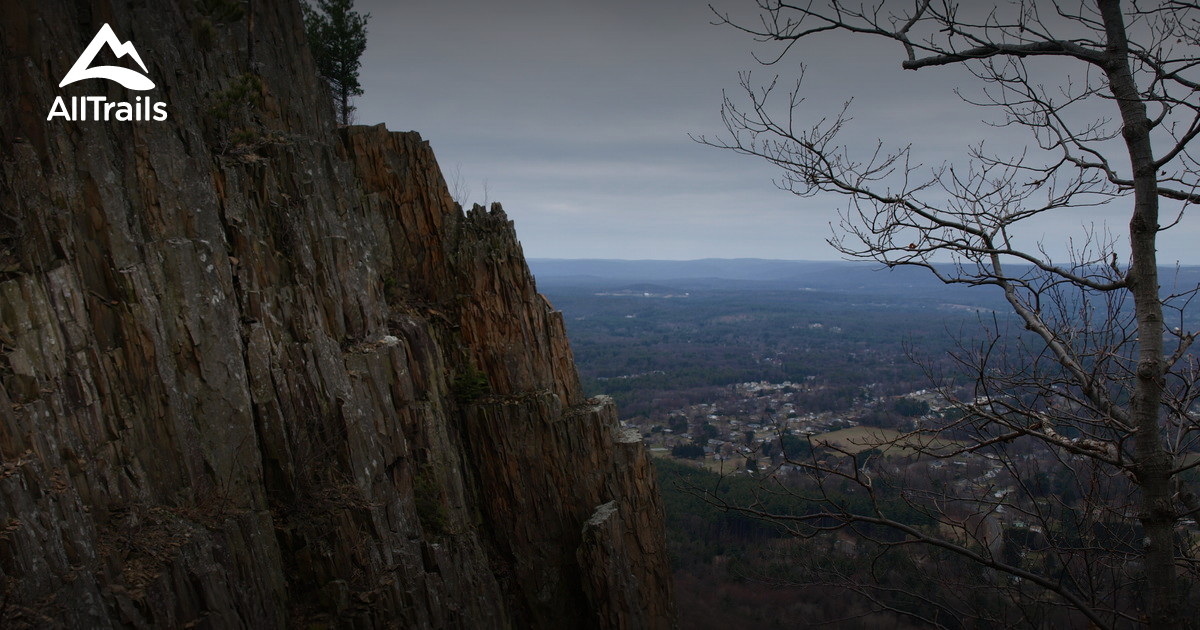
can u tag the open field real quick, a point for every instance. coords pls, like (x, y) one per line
(858, 439)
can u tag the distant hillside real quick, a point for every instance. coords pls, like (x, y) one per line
(816, 274)
(753, 273)
(745, 274)
(660, 270)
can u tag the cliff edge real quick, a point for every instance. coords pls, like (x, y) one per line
(259, 372)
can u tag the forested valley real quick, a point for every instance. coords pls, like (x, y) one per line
(739, 374)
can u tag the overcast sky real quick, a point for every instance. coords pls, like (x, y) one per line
(575, 115)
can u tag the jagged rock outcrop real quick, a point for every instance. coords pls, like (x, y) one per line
(258, 372)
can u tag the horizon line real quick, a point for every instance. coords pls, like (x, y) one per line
(774, 260)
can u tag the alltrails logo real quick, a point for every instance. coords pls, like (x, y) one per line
(98, 107)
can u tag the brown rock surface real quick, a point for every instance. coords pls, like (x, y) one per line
(243, 359)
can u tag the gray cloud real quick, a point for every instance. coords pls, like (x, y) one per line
(577, 115)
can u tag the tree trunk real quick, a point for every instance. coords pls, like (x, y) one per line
(1154, 464)
(345, 97)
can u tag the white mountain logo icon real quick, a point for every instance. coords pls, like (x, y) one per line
(129, 78)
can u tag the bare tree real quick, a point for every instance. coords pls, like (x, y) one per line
(460, 189)
(1098, 380)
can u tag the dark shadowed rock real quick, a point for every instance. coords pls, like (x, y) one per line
(259, 372)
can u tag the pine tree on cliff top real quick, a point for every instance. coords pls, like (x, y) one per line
(337, 35)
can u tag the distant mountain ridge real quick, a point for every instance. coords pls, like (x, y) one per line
(742, 273)
(854, 279)
(834, 275)
(658, 270)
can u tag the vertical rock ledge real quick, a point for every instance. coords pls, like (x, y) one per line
(259, 372)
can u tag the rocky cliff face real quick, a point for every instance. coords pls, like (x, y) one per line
(258, 372)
